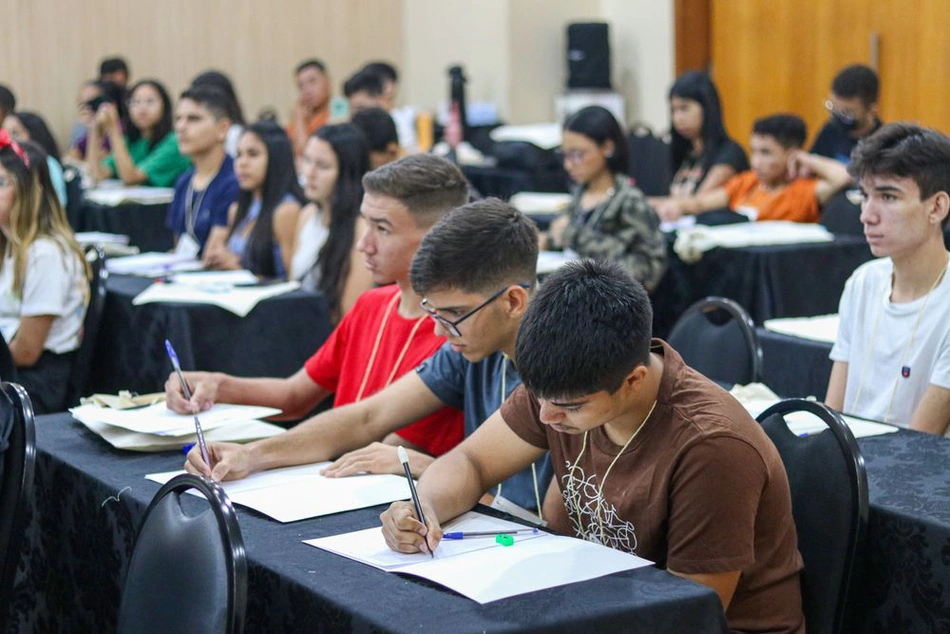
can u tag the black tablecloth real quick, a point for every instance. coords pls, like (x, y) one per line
(90, 500)
(795, 280)
(273, 340)
(793, 366)
(144, 224)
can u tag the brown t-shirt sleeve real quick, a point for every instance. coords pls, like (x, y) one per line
(522, 413)
(714, 498)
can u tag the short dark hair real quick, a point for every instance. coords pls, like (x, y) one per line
(311, 63)
(426, 184)
(905, 150)
(587, 328)
(857, 80)
(370, 83)
(378, 127)
(384, 70)
(7, 100)
(222, 82)
(788, 130)
(214, 100)
(597, 124)
(113, 65)
(477, 248)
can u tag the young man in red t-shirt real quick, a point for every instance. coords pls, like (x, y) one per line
(383, 336)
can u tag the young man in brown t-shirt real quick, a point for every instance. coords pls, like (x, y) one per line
(649, 456)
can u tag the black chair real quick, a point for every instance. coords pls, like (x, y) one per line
(716, 336)
(7, 365)
(841, 215)
(82, 363)
(829, 488)
(18, 464)
(188, 572)
(74, 195)
(649, 161)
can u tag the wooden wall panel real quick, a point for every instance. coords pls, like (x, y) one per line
(781, 55)
(49, 47)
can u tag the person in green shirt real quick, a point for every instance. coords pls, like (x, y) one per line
(147, 153)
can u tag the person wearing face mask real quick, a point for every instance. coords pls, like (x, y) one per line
(853, 109)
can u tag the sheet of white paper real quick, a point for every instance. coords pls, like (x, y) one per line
(237, 300)
(692, 242)
(159, 420)
(822, 328)
(683, 223)
(297, 493)
(546, 136)
(530, 203)
(113, 196)
(133, 441)
(215, 278)
(550, 261)
(485, 571)
(99, 237)
(151, 263)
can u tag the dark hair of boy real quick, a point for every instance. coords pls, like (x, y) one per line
(697, 86)
(788, 130)
(588, 326)
(905, 150)
(164, 126)
(39, 132)
(280, 179)
(859, 81)
(597, 124)
(311, 63)
(113, 65)
(370, 83)
(214, 100)
(385, 70)
(217, 79)
(7, 101)
(477, 248)
(426, 184)
(378, 127)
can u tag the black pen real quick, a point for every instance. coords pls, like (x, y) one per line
(404, 459)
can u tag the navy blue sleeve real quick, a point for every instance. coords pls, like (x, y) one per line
(444, 374)
(223, 201)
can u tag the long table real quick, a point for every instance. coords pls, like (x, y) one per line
(90, 500)
(143, 223)
(273, 340)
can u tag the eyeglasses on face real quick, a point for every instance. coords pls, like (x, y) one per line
(452, 326)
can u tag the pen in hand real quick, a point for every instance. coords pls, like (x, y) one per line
(184, 388)
(404, 459)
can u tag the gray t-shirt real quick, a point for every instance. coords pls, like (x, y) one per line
(476, 389)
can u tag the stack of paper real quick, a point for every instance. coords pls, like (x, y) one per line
(238, 300)
(692, 242)
(156, 428)
(242, 277)
(114, 196)
(540, 203)
(152, 264)
(546, 136)
(757, 398)
(483, 570)
(297, 493)
(822, 328)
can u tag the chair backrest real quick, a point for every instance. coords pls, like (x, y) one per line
(188, 572)
(829, 487)
(649, 161)
(717, 337)
(842, 216)
(74, 195)
(82, 364)
(7, 365)
(18, 462)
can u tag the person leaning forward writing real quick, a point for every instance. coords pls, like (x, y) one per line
(650, 456)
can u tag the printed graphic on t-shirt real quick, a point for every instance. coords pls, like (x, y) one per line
(592, 517)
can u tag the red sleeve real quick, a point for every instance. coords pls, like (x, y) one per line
(714, 499)
(522, 413)
(326, 364)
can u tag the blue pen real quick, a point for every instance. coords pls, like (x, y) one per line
(471, 534)
(187, 392)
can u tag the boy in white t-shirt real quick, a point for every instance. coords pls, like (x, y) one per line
(892, 354)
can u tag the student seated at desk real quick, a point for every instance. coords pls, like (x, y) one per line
(650, 456)
(784, 183)
(326, 258)
(262, 225)
(44, 286)
(205, 193)
(608, 218)
(476, 271)
(892, 353)
(145, 154)
(386, 333)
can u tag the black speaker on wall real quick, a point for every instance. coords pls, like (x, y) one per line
(588, 55)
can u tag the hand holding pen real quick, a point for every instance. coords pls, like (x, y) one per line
(184, 388)
(410, 527)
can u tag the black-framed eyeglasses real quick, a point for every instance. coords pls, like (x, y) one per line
(452, 326)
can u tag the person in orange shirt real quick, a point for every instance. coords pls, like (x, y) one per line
(312, 109)
(785, 183)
